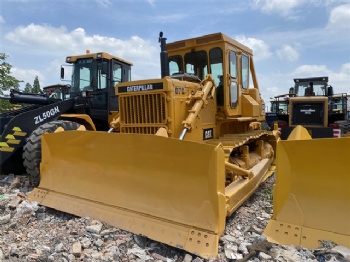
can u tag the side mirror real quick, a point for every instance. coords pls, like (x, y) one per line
(329, 91)
(62, 73)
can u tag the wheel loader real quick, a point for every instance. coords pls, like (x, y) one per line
(312, 104)
(89, 101)
(185, 152)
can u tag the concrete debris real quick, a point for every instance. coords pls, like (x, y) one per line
(139, 252)
(343, 251)
(26, 208)
(29, 232)
(5, 219)
(96, 228)
(330, 252)
(231, 252)
(76, 249)
(188, 258)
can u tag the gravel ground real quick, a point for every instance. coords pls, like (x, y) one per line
(29, 232)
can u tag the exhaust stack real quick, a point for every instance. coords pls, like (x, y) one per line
(163, 56)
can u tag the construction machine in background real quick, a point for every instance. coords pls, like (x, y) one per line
(187, 149)
(312, 104)
(279, 111)
(89, 101)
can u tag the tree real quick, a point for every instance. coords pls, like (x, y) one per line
(7, 81)
(28, 88)
(36, 86)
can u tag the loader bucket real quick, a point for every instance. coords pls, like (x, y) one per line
(311, 199)
(169, 190)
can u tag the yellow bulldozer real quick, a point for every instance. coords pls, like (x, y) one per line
(183, 153)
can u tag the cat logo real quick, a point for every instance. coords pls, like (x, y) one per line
(208, 133)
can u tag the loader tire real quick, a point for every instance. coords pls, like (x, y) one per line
(32, 149)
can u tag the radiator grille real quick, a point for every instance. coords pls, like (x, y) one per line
(143, 113)
(308, 114)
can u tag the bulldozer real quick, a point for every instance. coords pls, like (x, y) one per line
(186, 150)
(89, 101)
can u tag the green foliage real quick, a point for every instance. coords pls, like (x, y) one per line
(28, 88)
(7, 81)
(36, 86)
(5, 106)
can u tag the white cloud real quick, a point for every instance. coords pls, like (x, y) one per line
(151, 2)
(56, 43)
(311, 71)
(104, 3)
(338, 79)
(273, 91)
(77, 41)
(339, 18)
(287, 53)
(26, 75)
(29, 35)
(260, 48)
(284, 8)
(277, 83)
(2, 20)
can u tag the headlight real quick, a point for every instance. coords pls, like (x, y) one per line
(99, 55)
(68, 59)
(83, 94)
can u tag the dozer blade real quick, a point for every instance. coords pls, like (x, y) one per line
(311, 200)
(169, 190)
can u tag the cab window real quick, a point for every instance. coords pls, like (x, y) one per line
(233, 80)
(245, 71)
(117, 73)
(215, 59)
(233, 95)
(175, 64)
(216, 70)
(196, 62)
(233, 64)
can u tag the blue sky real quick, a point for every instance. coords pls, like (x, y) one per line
(290, 38)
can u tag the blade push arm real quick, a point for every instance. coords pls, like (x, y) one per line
(201, 100)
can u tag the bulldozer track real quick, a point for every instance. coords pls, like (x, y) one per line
(234, 141)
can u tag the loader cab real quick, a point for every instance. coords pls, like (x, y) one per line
(93, 80)
(314, 86)
(230, 64)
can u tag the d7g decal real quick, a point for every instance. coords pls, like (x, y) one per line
(208, 133)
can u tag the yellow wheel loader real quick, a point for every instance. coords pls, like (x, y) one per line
(312, 104)
(185, 152)
(89, 101)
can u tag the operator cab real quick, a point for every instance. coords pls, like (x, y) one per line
(230, 65)
(93, 80)
(315, 86)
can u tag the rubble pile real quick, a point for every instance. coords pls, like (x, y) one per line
(29, 232)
